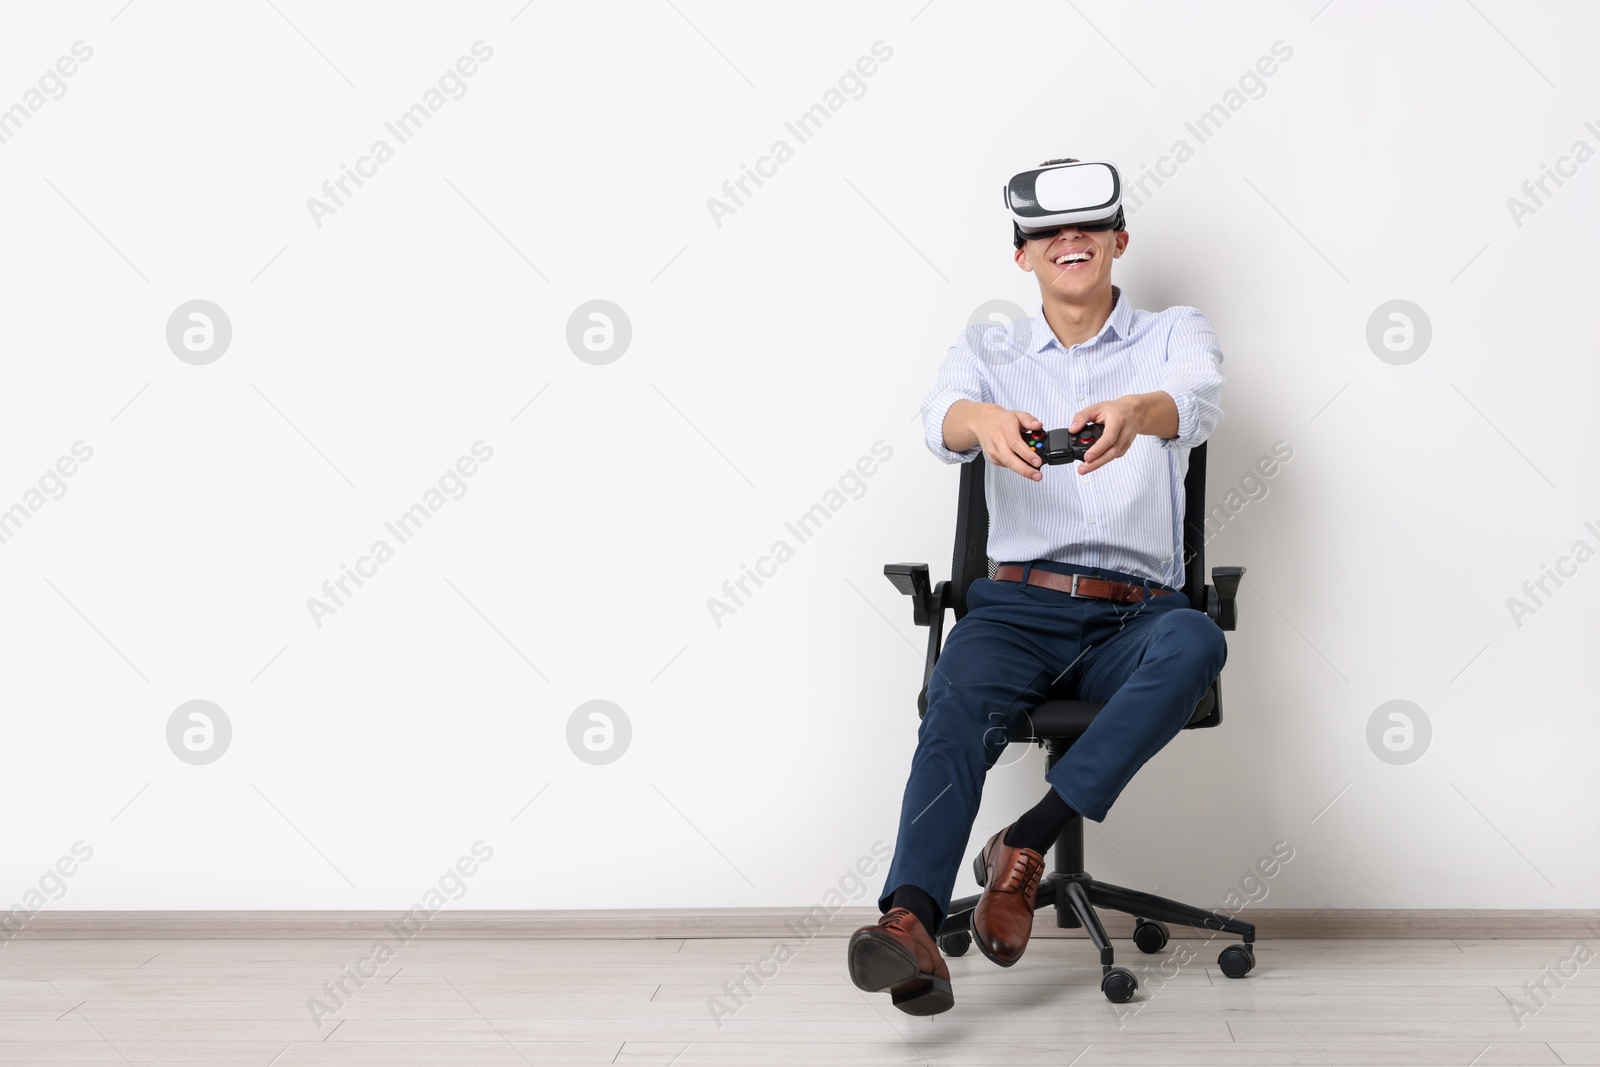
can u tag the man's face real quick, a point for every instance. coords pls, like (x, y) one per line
(1060, 265)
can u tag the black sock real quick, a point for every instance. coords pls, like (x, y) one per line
(1041, 824)
(919, 903)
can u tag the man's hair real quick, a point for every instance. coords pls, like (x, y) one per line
(1017, 239)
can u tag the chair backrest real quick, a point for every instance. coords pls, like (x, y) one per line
(971, 558)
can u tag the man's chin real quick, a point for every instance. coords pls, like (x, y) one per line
(1075, 283)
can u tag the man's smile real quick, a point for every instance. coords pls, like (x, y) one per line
(1074, 258)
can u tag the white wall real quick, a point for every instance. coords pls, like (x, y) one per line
(768, 354)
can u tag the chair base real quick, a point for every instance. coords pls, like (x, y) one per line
(1075, 895)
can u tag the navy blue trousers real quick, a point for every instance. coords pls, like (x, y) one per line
(1018, 645)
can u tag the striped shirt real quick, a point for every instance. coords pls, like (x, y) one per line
(1127, 515)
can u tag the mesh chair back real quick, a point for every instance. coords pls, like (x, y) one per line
(971, 558)
(1194, 528)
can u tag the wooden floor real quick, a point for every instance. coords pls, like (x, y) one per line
(646, 1002)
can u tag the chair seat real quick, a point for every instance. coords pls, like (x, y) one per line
(1066, 720)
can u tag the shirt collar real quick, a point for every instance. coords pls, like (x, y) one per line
(1118, 326)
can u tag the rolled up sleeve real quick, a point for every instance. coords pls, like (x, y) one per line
(1192, 376)
(959, 379)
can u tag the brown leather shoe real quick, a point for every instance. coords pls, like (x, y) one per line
(1003, 919)
(898, 955)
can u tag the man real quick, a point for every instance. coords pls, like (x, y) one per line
(1153, 381)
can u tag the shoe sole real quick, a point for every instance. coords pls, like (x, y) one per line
(878, 963)
(980, 871)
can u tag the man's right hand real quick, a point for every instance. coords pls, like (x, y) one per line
(998, 430)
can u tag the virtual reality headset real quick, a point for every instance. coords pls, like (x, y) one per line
(1044, 200)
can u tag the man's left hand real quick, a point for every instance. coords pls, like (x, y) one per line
(1122, 421)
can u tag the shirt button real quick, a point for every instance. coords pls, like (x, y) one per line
(1081, 396)
(1091, 522)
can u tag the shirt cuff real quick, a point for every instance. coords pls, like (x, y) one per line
(933, 427)
(1186, 421)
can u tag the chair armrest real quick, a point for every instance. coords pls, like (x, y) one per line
(1220, 597)
(928, 604)
(912, 580)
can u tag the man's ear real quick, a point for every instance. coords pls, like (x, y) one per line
(1122, 241)
(1021, 256)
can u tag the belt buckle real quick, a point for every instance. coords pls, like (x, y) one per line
(1074, 590)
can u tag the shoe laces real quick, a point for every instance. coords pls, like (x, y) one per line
(1024, 874)
(901, 919)
(906, 922)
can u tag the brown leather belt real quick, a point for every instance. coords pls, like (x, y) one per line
(1080, 584)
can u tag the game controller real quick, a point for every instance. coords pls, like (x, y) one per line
(1063, 446)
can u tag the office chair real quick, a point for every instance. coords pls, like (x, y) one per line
(1057, 723)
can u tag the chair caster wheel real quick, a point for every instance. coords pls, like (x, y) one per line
(1237, 960)
(955, 944)
(1150, 935)
(1118, 985)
